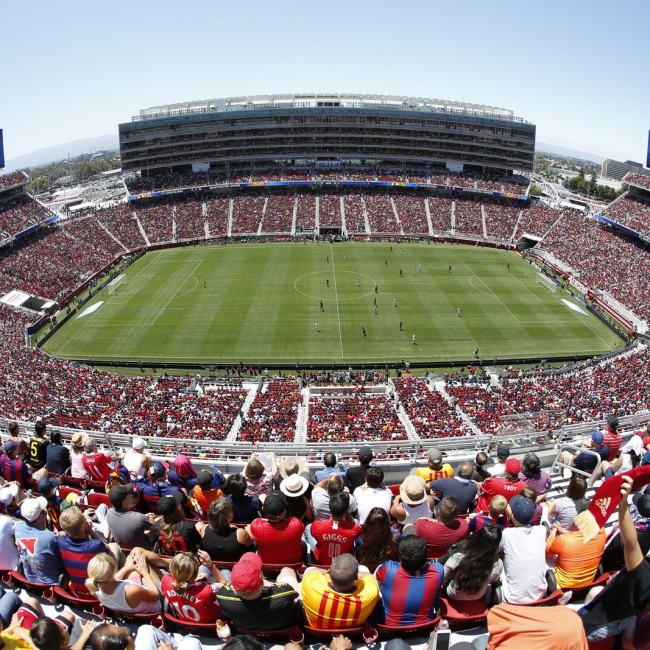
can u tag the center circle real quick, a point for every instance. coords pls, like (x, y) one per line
(333, 284)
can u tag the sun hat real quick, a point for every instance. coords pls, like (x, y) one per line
(294, 485)
(293, 465)
(413, 490)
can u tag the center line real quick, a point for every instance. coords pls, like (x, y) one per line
(336, 295)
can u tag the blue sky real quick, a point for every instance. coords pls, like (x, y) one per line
(579, 71)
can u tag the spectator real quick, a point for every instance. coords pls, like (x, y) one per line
(55, 633)
(372, 494)
(133, 589)
(58, 456)
(8, 551)
(412, 502)
(499, 468)
(479, 472)
(252, 603)
(576, 559)
(38, 444)
(324, 491)
(534, 476)
(498, 515)
(334, 536)
(562, 511)
(612, 438)
(628, 593)
(295, 487)
(184, 473)
(507, 486)
(111, 637)
(356, 476)
(330, 462)
(410, 588)
(291, 466)
(128, 528)
(193, 598)
(173, 532)
(78, 546)
(470, 572)
(461, 487)
(259, 480)
(434, 469)
(12, 468)
(350, 591)
(204, 492)
(77, 469)
(245, 508)
(378, 542)
(614, 555)
(441, 534)
(96, 463)
(524, 554)
(586, 460)
(277, 536)
(156, 486)
(10, 497)
(223, 541)
(136, 460)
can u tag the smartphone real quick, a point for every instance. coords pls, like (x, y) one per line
(439, 640)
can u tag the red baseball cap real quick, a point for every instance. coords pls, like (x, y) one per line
(513, 466)
(246, 575)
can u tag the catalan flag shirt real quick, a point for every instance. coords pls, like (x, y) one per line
(325, 607)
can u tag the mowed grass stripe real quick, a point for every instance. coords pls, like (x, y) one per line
(261, 302)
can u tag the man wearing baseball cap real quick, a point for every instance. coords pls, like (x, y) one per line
(586, 461)
(524, 553)
(37, 545)
(278, 537)
(252, 603)
(499, 468)
(356, 476)
(507, 486)
(435, 468)
(129, 528)
(12, 468)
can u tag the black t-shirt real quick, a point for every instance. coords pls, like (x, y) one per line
(245, 509)
(613, 557)
(275, 609)
(626, 595)
(356, 476)
(37, 451)
(58, 459)
(223, 546)
(185, 538)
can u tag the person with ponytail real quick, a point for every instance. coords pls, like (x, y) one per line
(189, 588)
(131, 590)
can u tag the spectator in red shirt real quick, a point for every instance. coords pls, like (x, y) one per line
(336, 535)
(507, 486)
(442, 534)
(611, 437)
(95, 462)
(278, 537)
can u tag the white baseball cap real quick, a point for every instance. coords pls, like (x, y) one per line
(30, 509)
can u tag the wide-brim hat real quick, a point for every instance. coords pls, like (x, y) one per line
(413, 490)
(293, 465)
(294, 485)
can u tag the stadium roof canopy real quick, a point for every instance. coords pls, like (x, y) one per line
(320, 100)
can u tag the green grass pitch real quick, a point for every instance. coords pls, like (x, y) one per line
(261, 304)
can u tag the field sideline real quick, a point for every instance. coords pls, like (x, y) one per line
(260, 303)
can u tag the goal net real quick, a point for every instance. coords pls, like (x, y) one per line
(115, 284)
(546, 282)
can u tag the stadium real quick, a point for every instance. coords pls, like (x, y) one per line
(308, 273)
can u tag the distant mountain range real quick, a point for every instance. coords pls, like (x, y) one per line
(572, 153)
(62, 151)
(111, 142)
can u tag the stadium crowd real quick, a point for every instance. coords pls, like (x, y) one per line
(631, 212)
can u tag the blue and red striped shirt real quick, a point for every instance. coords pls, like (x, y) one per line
(76, 553)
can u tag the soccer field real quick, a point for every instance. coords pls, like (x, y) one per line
(261, 303)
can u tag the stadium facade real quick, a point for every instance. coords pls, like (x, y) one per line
(326, 130)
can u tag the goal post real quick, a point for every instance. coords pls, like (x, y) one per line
(548, 283)
(116, 283)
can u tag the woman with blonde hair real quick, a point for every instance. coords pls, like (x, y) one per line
(131, 590)
(188, 587)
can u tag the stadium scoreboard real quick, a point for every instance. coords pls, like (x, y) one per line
(647, 162)
(2, 151)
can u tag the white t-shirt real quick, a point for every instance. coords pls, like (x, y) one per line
(524, 564)
(77, 468)
(133, 462)
(368, 498)
(8, 550)
(498, 469)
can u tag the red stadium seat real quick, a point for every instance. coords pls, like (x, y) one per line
(463, 613)
(366, 633)
(421, 629)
